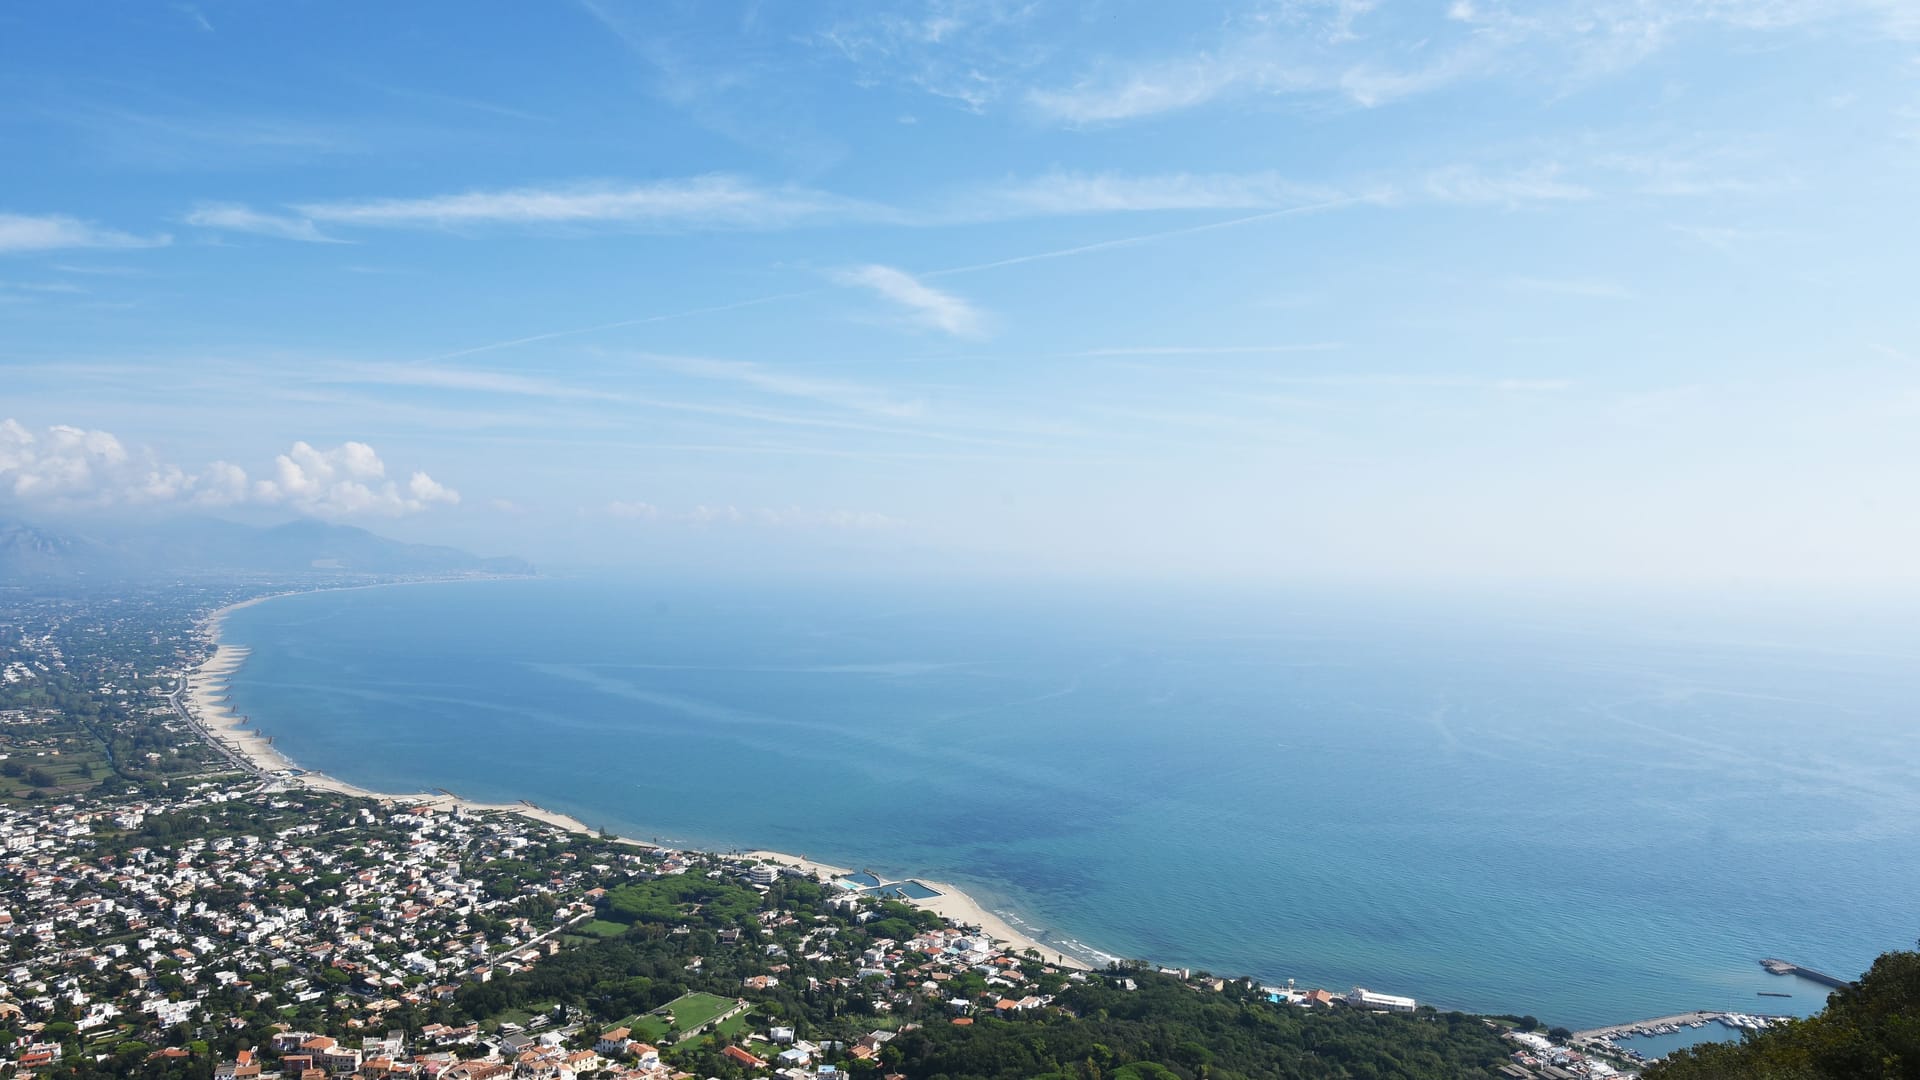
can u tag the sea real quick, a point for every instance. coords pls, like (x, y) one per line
(1589, 814)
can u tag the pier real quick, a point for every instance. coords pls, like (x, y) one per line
(1781, 967)
(1616, 1030)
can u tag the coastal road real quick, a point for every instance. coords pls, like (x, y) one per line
(234, 757)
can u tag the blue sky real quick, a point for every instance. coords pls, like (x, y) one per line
(1595, 291)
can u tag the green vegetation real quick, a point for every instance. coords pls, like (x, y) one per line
(732, 1027)
(710, 901)
(87, 700)
(1869, 1032)
(1097, 1030)
(650, 1028)
(1166, 1028)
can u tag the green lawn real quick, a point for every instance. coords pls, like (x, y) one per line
(601, 928)
(521, 1016)
(689, 1011)
(735, 1026)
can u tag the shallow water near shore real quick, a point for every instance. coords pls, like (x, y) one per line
(1585, 822)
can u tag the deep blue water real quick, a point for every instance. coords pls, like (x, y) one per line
(1587, 821)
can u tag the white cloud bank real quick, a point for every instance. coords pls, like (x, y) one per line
(71, 466)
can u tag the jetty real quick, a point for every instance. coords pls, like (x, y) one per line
(1782, 967)
(1687, 1019)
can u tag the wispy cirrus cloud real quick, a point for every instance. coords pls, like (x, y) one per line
(1371, 55)
(715, 202)
(723, 202)
(435, 377)
(1094, 193)
(774, 517)
(1213, 350)
(180, 134)
(1061, 193)
(704, 200)
(838, 393)
(1396, 380)
(56, 232)
(236, 218)
(1589, 288)
(924, 304)
(969, 53)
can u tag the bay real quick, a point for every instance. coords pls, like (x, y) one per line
(1590, 821)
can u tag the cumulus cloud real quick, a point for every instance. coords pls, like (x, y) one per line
(71, 466)
(925, 304)
(346, 481)
(776, 517)
(59, 461)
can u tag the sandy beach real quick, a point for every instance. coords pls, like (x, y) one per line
(205, 701)
(952, 904)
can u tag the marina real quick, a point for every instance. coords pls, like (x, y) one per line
(1660, 1025)
(1651, 1040)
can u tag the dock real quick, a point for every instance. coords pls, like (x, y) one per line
(1782, 967)
(1678, 1020)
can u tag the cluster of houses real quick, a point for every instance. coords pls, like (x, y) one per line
(361, 914)
(1540, 1058)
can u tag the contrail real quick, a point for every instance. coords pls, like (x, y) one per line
(1128, 241)
(626, 322)
(1083, 249)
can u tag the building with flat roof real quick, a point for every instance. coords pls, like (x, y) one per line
(1363, 998)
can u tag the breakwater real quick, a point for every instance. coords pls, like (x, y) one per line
(1782, 967)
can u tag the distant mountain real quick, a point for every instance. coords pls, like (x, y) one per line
(30, 551)
(204, 546)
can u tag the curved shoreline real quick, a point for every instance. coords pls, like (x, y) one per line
(204, 698)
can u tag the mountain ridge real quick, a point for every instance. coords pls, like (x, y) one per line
(36, 551)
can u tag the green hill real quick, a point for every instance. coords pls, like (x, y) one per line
(1868, 1032)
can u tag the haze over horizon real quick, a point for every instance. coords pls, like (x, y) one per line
(1598, 291)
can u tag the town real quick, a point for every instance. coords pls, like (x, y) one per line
(163, 914)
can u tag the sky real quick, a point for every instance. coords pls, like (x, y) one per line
(1592, 291)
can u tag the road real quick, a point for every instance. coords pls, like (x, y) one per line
(234, 757)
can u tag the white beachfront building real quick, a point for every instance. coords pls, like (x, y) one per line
(1361, 997)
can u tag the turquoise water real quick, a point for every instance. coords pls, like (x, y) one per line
(1588, 821)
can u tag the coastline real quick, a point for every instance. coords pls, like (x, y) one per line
(204, 700)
